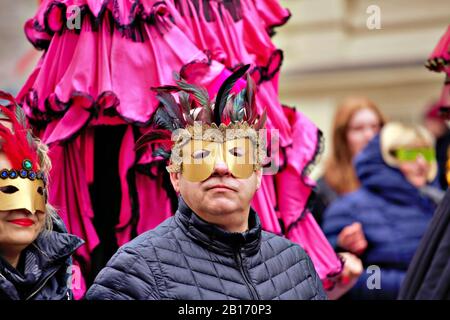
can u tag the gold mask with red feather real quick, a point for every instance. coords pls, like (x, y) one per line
(22, 184)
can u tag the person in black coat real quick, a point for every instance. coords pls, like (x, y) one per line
(35, 249)
(440, 130)
(428, 275)
(213, 248)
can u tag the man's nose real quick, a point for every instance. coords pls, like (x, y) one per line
(221, 168)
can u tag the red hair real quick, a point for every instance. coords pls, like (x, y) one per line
(339, 172)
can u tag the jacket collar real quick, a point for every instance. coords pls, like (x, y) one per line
(43, 257)
(55, 246)
(216, 239)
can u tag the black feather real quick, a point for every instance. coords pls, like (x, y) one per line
(167, 88)
(186, 106)
(205, 115)
(250, 105)
(261, 121)
(162, 119)
(152, 137)
(160, 152)
(172, 108)
(224, 91)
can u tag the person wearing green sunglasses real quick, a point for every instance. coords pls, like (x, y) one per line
(416, 163)
(411, 150)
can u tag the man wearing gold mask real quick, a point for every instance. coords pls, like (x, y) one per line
(213, 248)
(35, 250)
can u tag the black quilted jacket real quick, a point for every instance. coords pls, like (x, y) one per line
(188, 258)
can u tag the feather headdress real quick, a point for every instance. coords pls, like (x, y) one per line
(17, 143)
(195, 110)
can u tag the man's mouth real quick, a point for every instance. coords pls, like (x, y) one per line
(222, 187)
(22, 222)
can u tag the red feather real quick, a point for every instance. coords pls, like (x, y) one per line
(15, 144)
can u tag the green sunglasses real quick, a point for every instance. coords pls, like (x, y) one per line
(411, 154)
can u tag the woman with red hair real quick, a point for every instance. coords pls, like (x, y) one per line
(356, 122)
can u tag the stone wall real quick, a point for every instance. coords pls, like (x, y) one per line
(330, 53)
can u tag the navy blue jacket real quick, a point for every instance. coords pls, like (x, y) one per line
(394, 216)
(43, 272)
(188, 258)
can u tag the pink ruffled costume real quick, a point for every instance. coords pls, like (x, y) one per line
(439, 61)
(101, 75)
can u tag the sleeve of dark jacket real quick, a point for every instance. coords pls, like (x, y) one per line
(336, 218)
(127, 276)
(317, 283)
(427, 277)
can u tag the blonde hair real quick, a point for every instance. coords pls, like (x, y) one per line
(396, 135)
(45, 165)
(339, 172)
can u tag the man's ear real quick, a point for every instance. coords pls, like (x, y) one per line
(175, 179)
(258, 178)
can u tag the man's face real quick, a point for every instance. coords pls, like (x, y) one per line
(221, 192)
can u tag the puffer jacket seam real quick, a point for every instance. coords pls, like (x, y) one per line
(217, 273)
(151, 270)
(271, 280)
(158, 261)
(281, 252)
(316, 284)
(293, 284)
(205, 273)
(125, 273)
(191, 256)
(125, 250)
(190, 269)
(117, 293)
(283, 271)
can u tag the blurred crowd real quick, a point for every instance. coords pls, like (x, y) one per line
(381, 184)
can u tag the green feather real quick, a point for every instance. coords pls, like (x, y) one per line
(201, 94)
(186, 106)
(20, 116)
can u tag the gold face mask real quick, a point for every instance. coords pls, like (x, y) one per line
(200, 158)
(22, 193)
